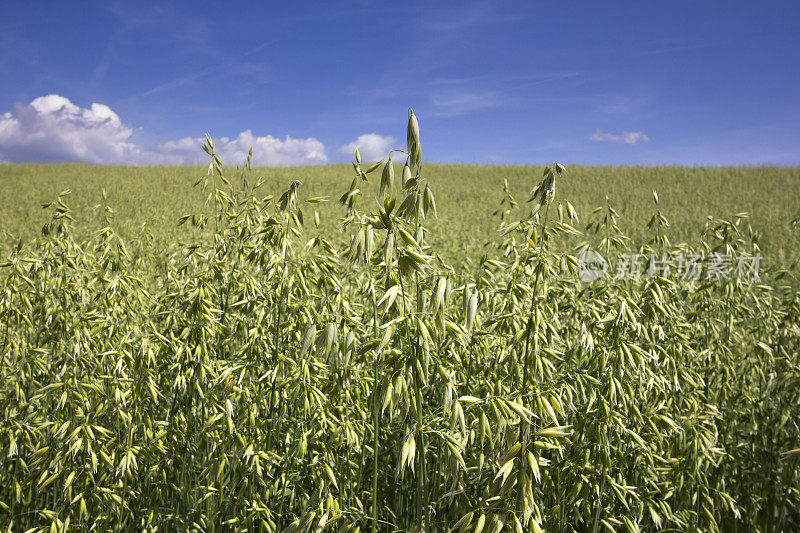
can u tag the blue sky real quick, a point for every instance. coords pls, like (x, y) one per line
(492, 82)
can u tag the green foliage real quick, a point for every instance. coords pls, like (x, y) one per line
(152, 199)
(267, 375)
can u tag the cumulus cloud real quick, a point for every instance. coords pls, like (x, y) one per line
(51, 128)
(270, 150)
(626, 137)
(267, 150)
(371, 145)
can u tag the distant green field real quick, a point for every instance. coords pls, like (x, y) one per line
(466, 197)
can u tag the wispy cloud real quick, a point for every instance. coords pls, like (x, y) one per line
(623, 104)
(452, 97)
(626, 137)
(177, 82)
(52, 128)
(194, 37)
(130, 23)
(460, 102)
(448, 97)
(454, 21)
(228, 65)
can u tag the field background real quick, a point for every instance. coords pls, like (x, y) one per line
(466, 196)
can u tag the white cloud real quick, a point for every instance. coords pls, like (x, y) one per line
(372, 146)
(626, 137)
(270, 150)
(267, 150)
(51, 128)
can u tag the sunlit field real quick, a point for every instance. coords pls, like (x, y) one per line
(468, 198)
(411, 348)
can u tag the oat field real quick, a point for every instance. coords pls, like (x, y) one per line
(398, 347)
(467, 201)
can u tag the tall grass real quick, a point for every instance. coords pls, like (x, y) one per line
(151, 199)
(273, 377)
